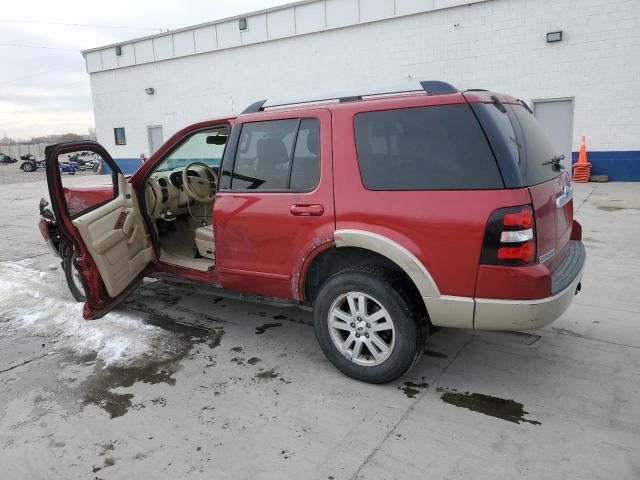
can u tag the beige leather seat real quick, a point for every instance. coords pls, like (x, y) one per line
(204, 242)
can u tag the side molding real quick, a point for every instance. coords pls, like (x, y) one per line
(394, 252)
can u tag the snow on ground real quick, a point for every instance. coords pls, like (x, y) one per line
(38, 302)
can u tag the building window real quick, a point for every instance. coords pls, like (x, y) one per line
(118, 133)
(243, 24)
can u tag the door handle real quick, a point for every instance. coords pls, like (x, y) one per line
(314, 210)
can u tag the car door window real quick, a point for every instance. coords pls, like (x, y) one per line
(206, 146)
(305, 172)
(83, 189)
(277, 155)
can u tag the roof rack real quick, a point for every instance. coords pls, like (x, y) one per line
(433, 87)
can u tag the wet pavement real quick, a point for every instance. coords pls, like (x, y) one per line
(177, 383)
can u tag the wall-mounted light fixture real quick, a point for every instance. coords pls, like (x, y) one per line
(150, 90)
(243, 24)
(118, 50)
(553, 37)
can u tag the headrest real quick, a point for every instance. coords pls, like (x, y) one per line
(313, 141)
(272, 150)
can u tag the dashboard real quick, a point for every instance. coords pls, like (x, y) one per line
(174, 200)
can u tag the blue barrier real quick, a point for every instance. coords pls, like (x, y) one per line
(126, 165)
(620, 166)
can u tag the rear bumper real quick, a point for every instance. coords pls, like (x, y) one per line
(493, 314)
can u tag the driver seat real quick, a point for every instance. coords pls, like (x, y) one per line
(205, 242)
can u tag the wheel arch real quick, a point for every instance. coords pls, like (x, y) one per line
(358, 247)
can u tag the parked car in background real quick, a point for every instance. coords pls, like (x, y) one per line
(68, 167)
(30, 163)
(6, 159)
(385, 212)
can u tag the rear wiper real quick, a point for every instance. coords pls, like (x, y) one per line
(555, 162)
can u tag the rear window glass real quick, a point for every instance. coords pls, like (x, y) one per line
(426, 148)
(534, 147)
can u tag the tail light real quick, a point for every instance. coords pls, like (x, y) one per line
(510, 237)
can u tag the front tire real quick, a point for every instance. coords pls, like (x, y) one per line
(367, 324)
(73, 278)
(28, 167)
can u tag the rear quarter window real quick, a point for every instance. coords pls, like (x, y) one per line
(425, 148)
(521, 145)
(534, 146)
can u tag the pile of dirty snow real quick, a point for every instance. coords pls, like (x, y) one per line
(39, 303)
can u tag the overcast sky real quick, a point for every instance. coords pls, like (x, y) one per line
(46, 90)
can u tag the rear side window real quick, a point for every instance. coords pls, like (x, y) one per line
(522, 148)
(535, 149)
(305, 171)
(426, 148)
(278, 155)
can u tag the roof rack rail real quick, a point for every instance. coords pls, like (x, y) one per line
(435, 87)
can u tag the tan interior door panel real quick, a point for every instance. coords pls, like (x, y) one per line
(114, 235)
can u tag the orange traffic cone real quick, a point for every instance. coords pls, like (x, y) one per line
(582, 168)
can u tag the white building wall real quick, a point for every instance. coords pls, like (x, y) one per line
(497, 44)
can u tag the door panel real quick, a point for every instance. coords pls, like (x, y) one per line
(99, 220)
(263, 236)
(114, 235)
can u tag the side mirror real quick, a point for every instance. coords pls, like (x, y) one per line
(217, 139)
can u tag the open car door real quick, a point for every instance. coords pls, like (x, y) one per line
(99, 220)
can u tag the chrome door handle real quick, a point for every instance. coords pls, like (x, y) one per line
(313, 210)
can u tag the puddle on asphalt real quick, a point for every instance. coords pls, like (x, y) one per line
(263, 328)
(411, 389)
(97, 389)
(508, 410)
(434, 354)
(266, 375)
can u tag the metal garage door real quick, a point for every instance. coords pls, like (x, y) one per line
(556, 116)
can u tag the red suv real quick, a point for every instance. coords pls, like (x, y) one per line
(385, 213)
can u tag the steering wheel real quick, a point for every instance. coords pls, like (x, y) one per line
(200, 189)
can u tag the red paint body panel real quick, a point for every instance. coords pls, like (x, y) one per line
(259, 241)
(80, 198)
(513, 283)
(553, 224)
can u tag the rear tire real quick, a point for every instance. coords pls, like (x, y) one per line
(28, 167)
(73, 279)
(367, 324)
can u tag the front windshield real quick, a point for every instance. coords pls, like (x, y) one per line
(206, 146)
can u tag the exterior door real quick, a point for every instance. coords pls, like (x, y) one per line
(275, 203)
(556, 117)
(99, 219)
(156, 138)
